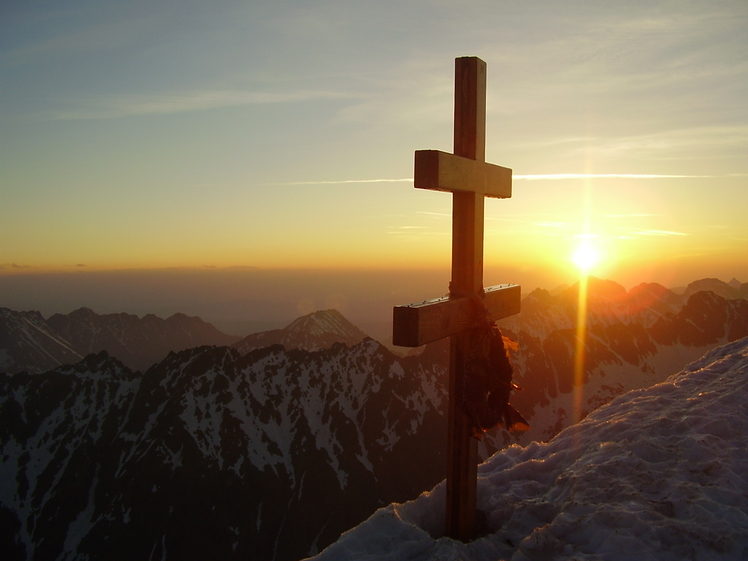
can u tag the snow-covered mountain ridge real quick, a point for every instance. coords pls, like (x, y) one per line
(657, 474)
(213, 454)
(217, 453)
(632, 340)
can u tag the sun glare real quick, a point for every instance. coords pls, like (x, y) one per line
(585, 257)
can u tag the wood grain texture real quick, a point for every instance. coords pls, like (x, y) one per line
(425, 322)
(467, 278)
(440, 171)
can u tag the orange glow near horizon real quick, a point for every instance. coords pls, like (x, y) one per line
(585, 257)
(579, 350)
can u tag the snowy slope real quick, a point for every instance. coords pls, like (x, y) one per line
(657, 474)
(213, 455)
(634, 339)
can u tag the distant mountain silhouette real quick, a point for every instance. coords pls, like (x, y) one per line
(312, 332)
(727, 291)
(30, 343)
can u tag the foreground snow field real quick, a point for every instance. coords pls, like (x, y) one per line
(657, 474)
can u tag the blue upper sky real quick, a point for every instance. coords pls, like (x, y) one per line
(155, 134)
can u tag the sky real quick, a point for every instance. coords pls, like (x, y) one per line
(143, 137)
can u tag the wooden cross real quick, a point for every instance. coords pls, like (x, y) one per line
(470, 179)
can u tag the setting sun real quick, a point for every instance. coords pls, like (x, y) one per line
(585, 257)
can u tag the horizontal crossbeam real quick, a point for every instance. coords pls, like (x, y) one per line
(440, 171)
(417, 324)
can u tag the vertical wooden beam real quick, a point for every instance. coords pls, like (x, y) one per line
(462, 451)
(470, 108)
(467, 278)
(469, 142)
(467, 243)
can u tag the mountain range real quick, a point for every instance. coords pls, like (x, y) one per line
(272, 452)
(657, 474)
(632, 339)
(211, 454)
(30, 343)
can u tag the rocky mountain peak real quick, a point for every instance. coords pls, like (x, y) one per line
(601, 289)
(312, 332)
(82, 313)
(655, 297)
(326, 321)
(717, 286)
(649, 288)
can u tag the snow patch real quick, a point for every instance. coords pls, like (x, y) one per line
(657, 474)
(79, 527)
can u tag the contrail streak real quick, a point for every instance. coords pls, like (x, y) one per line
(531, 177)
(404, 180)
(609, 175)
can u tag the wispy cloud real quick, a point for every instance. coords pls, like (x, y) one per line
(162, 104)
(550, 224)
(415, 232)
(439, 214)
(533, 177)
(487, 217)
(631, 215)
(343, 181)
(657, 233)
(499, 219)
(87, 38)
(14, 266)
